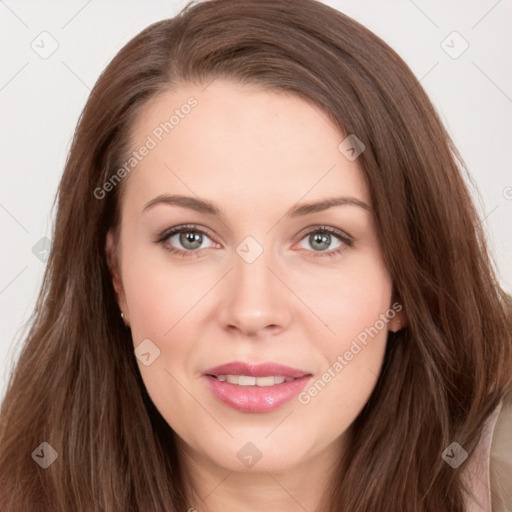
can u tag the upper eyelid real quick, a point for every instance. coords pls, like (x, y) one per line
(166, 233)
(340, 233)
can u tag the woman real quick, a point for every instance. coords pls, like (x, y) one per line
(268, 287)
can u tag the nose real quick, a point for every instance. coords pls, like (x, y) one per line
(256, 302)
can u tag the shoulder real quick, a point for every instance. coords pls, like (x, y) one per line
(501, 459)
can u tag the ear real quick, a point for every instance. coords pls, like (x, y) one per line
(115, 273)
(399, 321)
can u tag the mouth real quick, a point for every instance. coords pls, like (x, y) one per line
(255, 388)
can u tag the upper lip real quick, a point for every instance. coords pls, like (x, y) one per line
(256, 370)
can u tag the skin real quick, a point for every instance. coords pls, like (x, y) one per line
(254, 154)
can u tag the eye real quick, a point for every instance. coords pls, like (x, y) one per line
(326, 241)
(184, 240)
(187, 240)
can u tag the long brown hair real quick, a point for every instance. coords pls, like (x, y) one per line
(76, 384)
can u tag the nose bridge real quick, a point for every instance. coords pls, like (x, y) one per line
(255, 298)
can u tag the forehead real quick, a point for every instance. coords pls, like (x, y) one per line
(239, 143)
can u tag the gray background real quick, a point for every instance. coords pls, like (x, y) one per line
(42, 95)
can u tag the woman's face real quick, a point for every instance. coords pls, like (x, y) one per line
(252, 278)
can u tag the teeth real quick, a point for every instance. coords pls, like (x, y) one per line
(245, 380)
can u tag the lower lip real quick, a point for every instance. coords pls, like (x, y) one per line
(256, 398)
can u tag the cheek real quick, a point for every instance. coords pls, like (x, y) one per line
(163, 302)
(159, 294)
(355, 306)
(349, 299)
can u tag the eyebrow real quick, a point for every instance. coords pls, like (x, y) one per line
(208, 208)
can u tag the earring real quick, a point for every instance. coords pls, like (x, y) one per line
(122, 315)
(399, 328)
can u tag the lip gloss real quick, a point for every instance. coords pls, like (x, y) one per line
(256, 398)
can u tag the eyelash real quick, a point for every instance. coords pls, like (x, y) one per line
(347, 241)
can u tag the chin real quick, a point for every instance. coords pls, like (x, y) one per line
(258, 456)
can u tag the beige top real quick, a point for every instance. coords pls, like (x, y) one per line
(488, 472)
